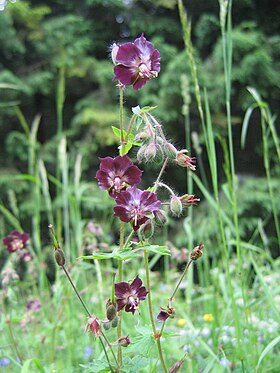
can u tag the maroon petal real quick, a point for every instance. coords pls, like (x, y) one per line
(128, 55)
(155, 61)
(121, 303)
(144, 46)
(133, 175)
(121, 289)
(106, 164)
(103, 180)
(126, 75)
(162, 316)
(136, 284)
(122, 213)
(142, 293)
(139, 83)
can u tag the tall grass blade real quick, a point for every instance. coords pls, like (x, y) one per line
(268, 348)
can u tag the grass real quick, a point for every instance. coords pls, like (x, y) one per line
(226, 321)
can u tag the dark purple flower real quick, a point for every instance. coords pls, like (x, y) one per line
(136, 206)
(136, 63)
(129, 296)
(115, 174)
(16, 241)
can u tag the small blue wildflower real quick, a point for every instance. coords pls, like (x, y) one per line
(87, 352)
(4, 361)
(224, 362)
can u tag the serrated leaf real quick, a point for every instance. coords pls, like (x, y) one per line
(135, 364)
(142, 345)
(125, 254)
(99, 366)
(162, 250)
(98, 256)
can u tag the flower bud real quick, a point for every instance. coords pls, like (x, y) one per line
(124, 341)
(146, 230)
(141, 153)
(59, 257)
(170, 150)
(160, 217)
(142, 136)
(111, 310)
(176, 205)
(151, 152)
(115, 322)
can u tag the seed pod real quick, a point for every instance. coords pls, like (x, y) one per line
(160, 217)
(146, 230)
(111, 310)
(59, 257)
(107, 325)
(115, 322)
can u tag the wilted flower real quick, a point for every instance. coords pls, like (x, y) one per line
(184, 160)
(165, 313)
(177, 365)
(94, 326)
(129, 295)
(3, 3)
(136, 63)
(115, 174)
(16, 241)
(188, 200)
(197, 252)
(124, 341)
(136, 206)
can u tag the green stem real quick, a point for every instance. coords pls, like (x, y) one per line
(121, 120)
(128, 239)
(180, 281)
(156, 334)
(8, 322)
(132, 120)
(160, 175)
(120, 277)
(89, 315)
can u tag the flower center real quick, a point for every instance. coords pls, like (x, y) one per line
(17, 245)
(133, 302)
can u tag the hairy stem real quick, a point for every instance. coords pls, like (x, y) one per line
(156, 334)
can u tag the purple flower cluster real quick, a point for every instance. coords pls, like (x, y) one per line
(119, 176)
(136, 63)
(16, 241)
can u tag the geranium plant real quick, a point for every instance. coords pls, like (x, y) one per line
(138, 211)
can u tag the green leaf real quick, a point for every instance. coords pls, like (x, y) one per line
(162, 250)
(125, 254)
(117, 132)
(125, 148)
(26, 366)
(268, 348)
(135, 364)
(142, 345)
